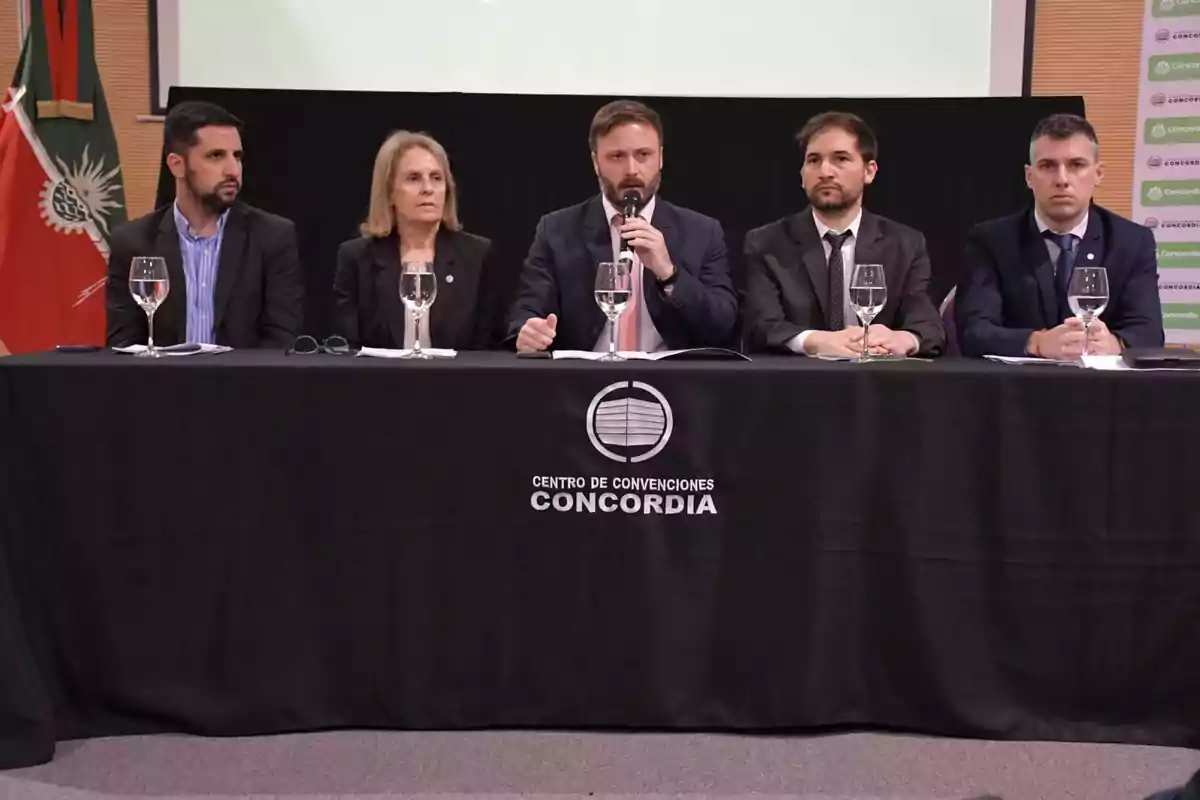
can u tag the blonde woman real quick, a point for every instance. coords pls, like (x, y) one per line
(414, 218)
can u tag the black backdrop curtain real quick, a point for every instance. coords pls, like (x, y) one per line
(945, 164)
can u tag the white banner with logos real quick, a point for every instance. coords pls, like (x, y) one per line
(1166, 174)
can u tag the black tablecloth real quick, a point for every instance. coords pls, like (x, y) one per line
(249, 543)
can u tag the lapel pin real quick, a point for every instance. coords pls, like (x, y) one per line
(449, 279)
(1091, 256)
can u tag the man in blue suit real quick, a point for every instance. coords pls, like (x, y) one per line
(1012, 296)
(682, 292)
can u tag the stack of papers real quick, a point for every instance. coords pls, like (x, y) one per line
(871, 359)
(185, 349)
(628, 355)
(1029, 360)
(637, 355)
(1105, 363)
(383, 352)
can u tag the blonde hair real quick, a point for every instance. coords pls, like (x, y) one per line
(381, 217)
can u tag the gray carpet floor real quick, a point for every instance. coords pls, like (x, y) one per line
(441, 766)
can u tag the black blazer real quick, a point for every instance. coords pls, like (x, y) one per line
(560, 273)
(468, 313)
(259, 297)
(787, 280)
(1006, 291)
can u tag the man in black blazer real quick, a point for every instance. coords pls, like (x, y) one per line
(684, 297)
(235, 276)
(1012, 297)
(798, 268)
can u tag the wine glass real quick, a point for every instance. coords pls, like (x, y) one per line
(613, 287)
(1087, 295)
(149, 284)
(868, 294)
(418, 290)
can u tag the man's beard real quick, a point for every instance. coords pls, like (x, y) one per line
(840, 201)
(613, 192)
(212, 200)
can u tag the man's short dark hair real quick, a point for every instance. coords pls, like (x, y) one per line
(623, 112)
(868, 145)
(1063, 126)
(182, 122)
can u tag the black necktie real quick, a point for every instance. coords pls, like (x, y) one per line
(1062, 270)
(837, 280)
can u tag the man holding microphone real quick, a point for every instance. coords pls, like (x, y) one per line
(682, 294)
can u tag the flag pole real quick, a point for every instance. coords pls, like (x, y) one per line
(22, 19)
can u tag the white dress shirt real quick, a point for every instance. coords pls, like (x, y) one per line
(796, 344)
(1078, 232)
(649, 340)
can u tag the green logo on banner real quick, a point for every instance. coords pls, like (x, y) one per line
(1178, 67)
(1173, 130)
(1175, 8)
(1179, 255)
(1181, 316)
(1171, 193)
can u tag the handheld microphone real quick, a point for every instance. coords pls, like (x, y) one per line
(631, 202)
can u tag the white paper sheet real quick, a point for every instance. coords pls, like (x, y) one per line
(1029, 360)
(383, 352)
(176, 349)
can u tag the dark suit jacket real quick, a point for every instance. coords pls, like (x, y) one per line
(1006, 291)
(1189, 792)
(468, 313)
(787, 280)
(560, 274)
(259, 297)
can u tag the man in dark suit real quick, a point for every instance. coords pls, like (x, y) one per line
(234, 270)
(1012, 297)
(682, 292)
(798, 269)
(1189, 792)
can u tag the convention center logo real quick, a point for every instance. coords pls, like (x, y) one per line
(1159, 99)
(1151, 222)
(1178, 255)
(1183, 66)
(1176, 8)
(1172, 130)
(629, 422)
(1181, 315)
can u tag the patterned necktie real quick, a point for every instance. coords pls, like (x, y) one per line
(1062, 270)
(629, 321)
(837, 279)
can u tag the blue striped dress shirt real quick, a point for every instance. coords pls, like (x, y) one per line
(201, 260)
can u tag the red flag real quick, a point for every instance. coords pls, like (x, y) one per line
(60, 189)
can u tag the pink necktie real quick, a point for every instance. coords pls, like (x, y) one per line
(627, 333)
